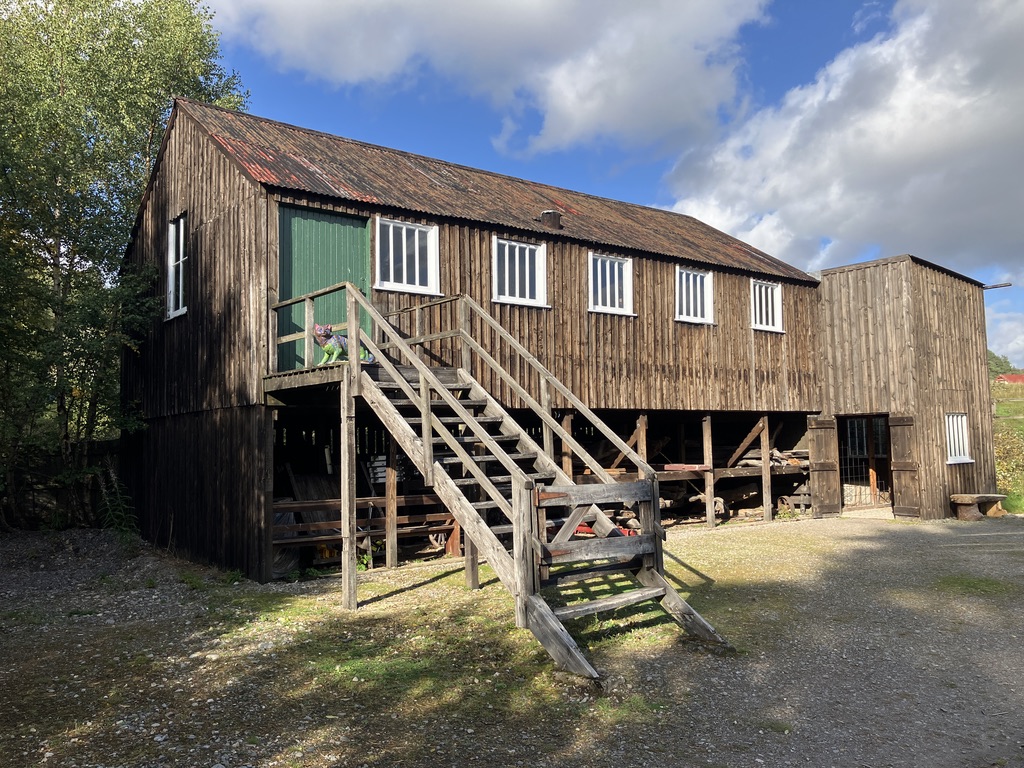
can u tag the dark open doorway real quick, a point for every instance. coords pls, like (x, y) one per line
(864, 461)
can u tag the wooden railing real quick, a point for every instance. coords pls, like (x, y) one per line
(405, 347)
(308, 300)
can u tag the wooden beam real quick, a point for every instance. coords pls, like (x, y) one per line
(709, 474)
(391, 505)
(347, 471)
(566, 450)
(472, 564)
(754, 432)
(766, 469)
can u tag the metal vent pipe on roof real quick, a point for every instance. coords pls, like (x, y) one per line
(551, 219)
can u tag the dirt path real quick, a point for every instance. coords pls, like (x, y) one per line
(859, 643)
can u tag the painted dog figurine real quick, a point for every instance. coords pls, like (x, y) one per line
(335, 346)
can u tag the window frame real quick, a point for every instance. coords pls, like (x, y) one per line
(594, 259)
(706, 299)
(958, 445)
(177, 266)
(760, 292)
(539, 273)
(433, 259)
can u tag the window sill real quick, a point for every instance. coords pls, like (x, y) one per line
(420, 291)
(615, 312)
(693, 321)
(779, 331)
(951, 462)
(176, 313)
(515, 303)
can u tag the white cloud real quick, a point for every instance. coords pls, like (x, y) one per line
(907, 143)
(653, 73)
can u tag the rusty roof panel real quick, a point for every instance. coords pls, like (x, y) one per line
(297, 159)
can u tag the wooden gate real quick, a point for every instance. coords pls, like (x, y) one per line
(824, 461)
(906, 485)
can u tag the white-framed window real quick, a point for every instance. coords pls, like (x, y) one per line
(958, 450)
(611, 284)
(177, 261)
(407, 257)
(765, 305)
(695, 295)
(519, 272)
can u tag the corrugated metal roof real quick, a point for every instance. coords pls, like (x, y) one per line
(286, 157)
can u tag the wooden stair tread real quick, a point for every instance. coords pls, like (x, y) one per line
(463, 482)
(434, 404)
(484, 458)
(417, 420)
(610, 603)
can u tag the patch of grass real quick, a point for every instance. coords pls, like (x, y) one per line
(1014, 502)
(965, 585)
(193, 580)
(233, 577)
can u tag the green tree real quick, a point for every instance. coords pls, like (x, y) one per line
(999, 364)
(86, 87)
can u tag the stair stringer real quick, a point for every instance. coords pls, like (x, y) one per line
(460, 507)
(672, 602)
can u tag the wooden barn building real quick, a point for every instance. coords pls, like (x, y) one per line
(535, 362)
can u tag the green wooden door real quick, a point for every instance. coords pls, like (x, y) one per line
(318, 249)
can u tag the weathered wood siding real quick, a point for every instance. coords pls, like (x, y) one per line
(197, 471)
(197, 481)
(952, 367)
(900, 337)
(210, 356)
(649, 361)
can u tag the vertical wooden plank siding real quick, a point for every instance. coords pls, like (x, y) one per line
(905, 338)
(199, 472)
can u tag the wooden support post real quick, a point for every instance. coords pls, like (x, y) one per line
(355, 341)
(465, 326)
(545, 402)
(566, 450)
(522, 549)
(472, 563)
(417, 330)
(641, 436)
(266, 572)
(453, 544)
(709, 475)
(391, 505)
(427, 433)
(347, 460)
(766, 470)
(307, 350)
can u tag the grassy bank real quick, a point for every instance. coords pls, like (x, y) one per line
(1008, 403)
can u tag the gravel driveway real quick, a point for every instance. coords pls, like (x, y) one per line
(862, 643)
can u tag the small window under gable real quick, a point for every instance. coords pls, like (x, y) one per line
(519, 272)
(957, 447)
(765, 305)
(611, 284)
(407, 257)
(177, 261)
(695, 292)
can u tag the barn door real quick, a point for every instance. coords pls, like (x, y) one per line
(906, 486)
(824, 465)
(318, 249)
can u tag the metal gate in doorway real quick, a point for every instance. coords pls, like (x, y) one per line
(865, 473)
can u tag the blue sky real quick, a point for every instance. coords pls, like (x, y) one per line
(822, 132)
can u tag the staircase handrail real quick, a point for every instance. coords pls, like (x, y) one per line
(426, 376)
(546, 376)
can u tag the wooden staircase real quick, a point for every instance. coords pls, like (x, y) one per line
(516, 506)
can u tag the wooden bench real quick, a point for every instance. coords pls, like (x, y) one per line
(974, 506)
